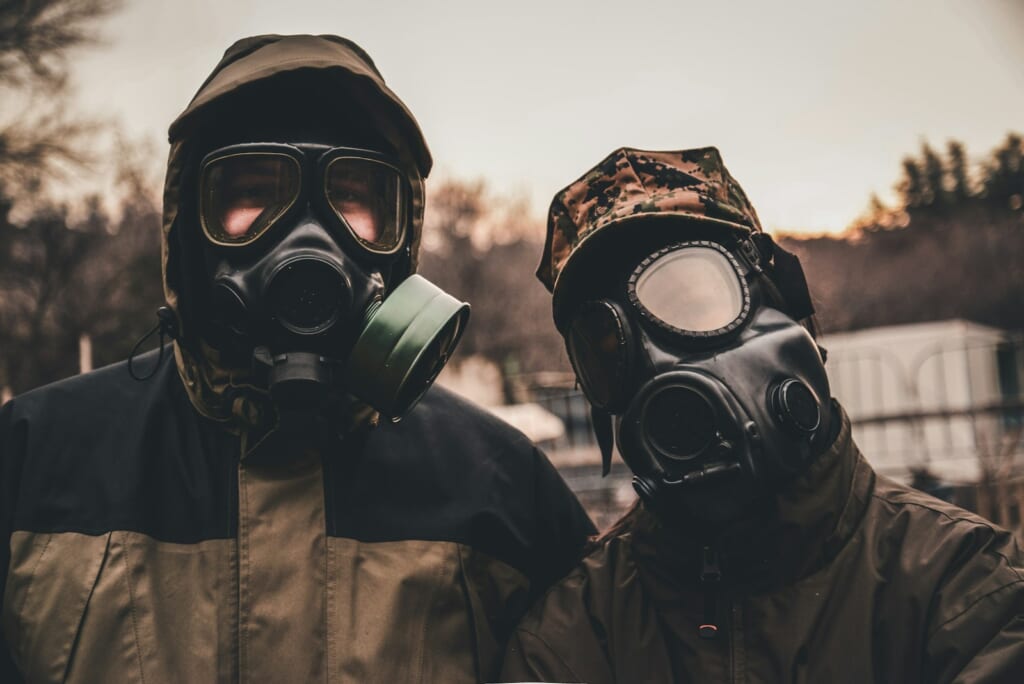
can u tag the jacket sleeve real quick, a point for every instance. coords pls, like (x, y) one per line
(980, 614)
(1001, 659)
(985, 643)
(9, 459)
(562, 527)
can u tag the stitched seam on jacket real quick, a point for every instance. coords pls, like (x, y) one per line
(976, 602)
(464, 583)
(243, 575)
(329, 598)
(32, 575)
(131, 604)
(970, 521)
(436, 597)
(81, 618)
(551, 651)
(22, 646)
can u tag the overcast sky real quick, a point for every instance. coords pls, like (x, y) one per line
(812, 103)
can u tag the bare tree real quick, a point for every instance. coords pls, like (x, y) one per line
(37, 136)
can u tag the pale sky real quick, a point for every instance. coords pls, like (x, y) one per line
(812, 103)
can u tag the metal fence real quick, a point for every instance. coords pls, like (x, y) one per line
(956, 430)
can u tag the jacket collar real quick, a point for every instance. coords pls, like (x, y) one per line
(812, 520)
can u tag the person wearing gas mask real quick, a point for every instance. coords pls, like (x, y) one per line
(249, 507)
(764, 548)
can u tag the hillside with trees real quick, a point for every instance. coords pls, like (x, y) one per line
(952, 247)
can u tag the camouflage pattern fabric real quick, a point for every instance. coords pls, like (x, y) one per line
(632, 184)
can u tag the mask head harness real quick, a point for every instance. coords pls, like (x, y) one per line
(298, 244)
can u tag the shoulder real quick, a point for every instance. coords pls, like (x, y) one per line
(588, 626)
(968, 564)
(92, 401)
(448, 441)
(103, 451)
(917, 518)
(592, 594)
(448, 417)
(452, 471)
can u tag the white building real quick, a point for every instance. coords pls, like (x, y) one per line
(928, 395)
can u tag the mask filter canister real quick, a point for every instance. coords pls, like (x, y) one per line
(406, 341)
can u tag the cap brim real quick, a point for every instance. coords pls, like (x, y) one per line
(615, 246)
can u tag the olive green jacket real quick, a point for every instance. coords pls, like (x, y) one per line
(137, 544)
(858, 579)
(138, 548)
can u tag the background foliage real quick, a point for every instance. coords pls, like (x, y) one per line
(952, 245)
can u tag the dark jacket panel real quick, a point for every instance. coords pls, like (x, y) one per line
(128, 516)
(101, 452)
(886, 584)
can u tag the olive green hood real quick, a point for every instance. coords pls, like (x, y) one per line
(345, 74)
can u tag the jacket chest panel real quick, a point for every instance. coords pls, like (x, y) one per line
(120, 606)
(281, 602)
(810, 631)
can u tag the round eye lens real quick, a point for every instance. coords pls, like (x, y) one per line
(695, 289)
(367, 196)
(597, 349)
(243, 194)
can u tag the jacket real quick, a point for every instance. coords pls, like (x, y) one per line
(855, 579)
(138, 544)
(137, 547)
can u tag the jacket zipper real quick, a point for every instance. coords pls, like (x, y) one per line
(710, 581)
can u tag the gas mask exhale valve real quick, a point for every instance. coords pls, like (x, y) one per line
(300, 243)
(720, 397)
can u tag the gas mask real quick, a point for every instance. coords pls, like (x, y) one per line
(719, 397)
(300, 240)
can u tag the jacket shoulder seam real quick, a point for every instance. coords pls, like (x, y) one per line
(971, 520)
(981, 598)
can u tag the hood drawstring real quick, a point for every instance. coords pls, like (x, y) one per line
(167, 326)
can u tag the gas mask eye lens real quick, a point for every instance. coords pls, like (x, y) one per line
(242, 195)
(679, 422)
(597, 346)
(693, 289)
(367, 196)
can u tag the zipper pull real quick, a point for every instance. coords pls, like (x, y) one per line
(710, 577)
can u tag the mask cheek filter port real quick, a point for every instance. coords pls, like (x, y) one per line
(230, 319)
(795, 407)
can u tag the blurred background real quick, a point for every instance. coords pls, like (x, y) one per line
(878, 140)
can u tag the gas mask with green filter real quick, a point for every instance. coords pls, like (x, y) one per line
(300, 240)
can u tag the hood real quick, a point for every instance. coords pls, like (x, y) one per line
(346, 74)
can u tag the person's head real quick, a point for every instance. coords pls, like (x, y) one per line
(292, 215)
(682, 320)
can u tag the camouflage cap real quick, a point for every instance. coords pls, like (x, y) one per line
(629, 188)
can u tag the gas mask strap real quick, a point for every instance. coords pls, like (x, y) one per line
(788, 277)
(605, 438)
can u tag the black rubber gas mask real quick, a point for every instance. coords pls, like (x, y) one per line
(719, 397)
(299, 244)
